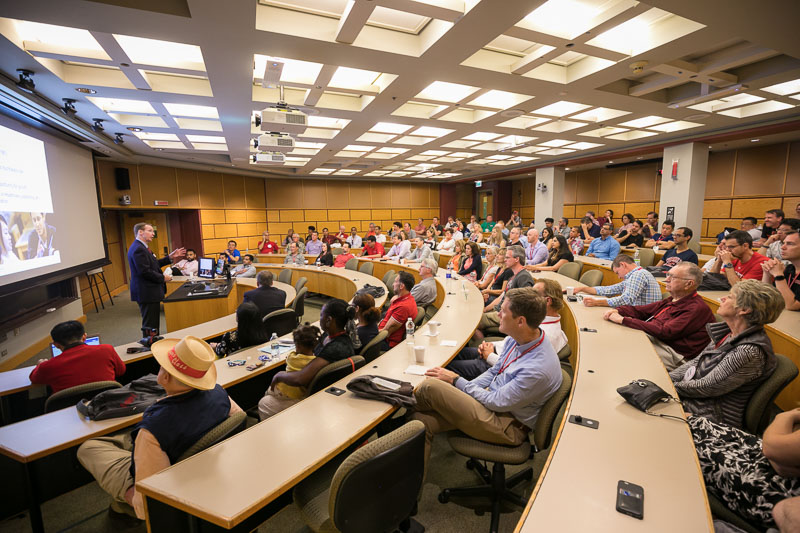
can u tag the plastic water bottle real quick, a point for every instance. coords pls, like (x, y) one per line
(318, 263)
(274, 346)
(410, 331)
(636, 257)
(449, 276)
(655, 249)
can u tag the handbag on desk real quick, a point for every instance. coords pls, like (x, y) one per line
(643, 394)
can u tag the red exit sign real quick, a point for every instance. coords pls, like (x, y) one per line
(160, 202)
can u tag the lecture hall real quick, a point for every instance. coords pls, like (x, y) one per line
(399, 265)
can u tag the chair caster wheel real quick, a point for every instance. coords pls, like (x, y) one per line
(444, 496)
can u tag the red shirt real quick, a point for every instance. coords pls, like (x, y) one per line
(341, 259)
(329, 238)
(751, 269)
(268, 247)
(402, 309)
(377, 249)
(78, 365)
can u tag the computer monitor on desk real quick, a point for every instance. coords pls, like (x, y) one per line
(206, 268)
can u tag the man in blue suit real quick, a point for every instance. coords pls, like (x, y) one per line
(147, 281)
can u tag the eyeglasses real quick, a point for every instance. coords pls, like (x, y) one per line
(676, 277)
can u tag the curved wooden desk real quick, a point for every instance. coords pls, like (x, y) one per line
(294, 443)
(577, 488)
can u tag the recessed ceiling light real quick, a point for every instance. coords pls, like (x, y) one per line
(134, 129)
(161, 53)
(443, 91)
(85, 90)
(610, 162)
(561, 108)
(754, 140)
(390, 127)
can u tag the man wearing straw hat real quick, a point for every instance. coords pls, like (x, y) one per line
(194, 404)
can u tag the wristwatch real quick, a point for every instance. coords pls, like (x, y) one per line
(728, 265)
(779, 278)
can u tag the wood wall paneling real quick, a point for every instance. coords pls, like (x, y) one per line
(273, 215)
(434, 191)
(259, 215)
(640, 184)
(108, 187)
(717, 209)
(588, 187)
(790, 206)
(315, 194)
(255, 193)
(212, 216)
(360, 214)
(716, 225)
(400, 195)
(719, 177)
(380, 194)
(211, 189)
(753, 207)
(188, 191)
(158, 183)
(760, 170)
(381, 214)
(235, 215)
(292, 215)
(315, 214)
(612, 186)
(360, 196)
(570, 187)
(618, 210)
(420, 195)
(339, 214)
(284, 194)
(639, 209)
(793, 170)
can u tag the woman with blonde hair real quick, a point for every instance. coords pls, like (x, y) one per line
(493, 266)
(497, 238)
(458, 255)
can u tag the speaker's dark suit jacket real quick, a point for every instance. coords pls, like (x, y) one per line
(147, 280)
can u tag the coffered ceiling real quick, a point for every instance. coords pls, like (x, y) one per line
(407, 89)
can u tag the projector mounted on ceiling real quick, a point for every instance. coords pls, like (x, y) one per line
(269, 158)
(278, 142)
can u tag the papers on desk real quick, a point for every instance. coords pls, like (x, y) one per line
(282, 349)
(416, 370)
(449, 343)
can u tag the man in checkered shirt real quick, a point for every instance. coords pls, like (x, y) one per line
(638, 286)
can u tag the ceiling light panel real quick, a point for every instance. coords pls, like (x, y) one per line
(148, 121)
(198, 124)
(390, 127)
(555, 143)
(678, 125)
(358, 148)
(785, 88)
(316, 121)
(460, 144)
(644, 122)
(392, 150)
(122, 105)
(355, 79)
(523, 122)
(602, 132)
(726, 102)
(600, 114)
(376, 137)
(193, 111)
(559, 126)
(429, 131)
(161, 53)
(769, 106)
(211, 147)
(150, 136)
(649, 30)
(499, 99)
(322, 171)
(166, 145)
(442, 91)
(556, 151)
(409, 139)
(561, 109)
(583, 146)
(69, 41)
(631, 135)
(567, 18)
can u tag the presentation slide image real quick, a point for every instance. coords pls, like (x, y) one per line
(27, 240)
(24, 183)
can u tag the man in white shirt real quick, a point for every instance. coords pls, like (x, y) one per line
(354, 240)
(472, 362)
(187, 266)
(750, 225)
(401, 248)
(379, 237)
(448, 244)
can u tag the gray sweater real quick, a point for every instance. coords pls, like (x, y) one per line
(725, 376)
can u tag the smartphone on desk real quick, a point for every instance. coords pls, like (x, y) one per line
(630, 499)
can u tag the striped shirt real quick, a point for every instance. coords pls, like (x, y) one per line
(639, 287)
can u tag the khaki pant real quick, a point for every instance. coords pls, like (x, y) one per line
(274, 402)
(489, 320)
(109, 459)
(442, 407)
(668, 355)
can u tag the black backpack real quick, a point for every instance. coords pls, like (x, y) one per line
(372, 290)
(134, 398)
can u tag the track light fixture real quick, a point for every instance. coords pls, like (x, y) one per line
(118, 138)
(97, 127)
(69, 107)
(26, 80)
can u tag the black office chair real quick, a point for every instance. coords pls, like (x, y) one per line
(333, 372)
(71, 396)
(227, 428)
(299, 304)
(420, 317)
(285, 276)
(373, 490)
(758, 411)
(282, 321)
(373, 348)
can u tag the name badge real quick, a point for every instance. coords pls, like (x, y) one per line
(689, 373)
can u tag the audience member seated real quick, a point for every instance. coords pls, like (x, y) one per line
(627, 224)
(589, 229)
(422, 251)
(472, 362)
(785, 277)
(437, 227)
(194, 405)
(294, 256)
(334, 345)
(354, 240)
(246, 269)
(370, 230)
(739, 261)
(380, 238)
(448, 242)
(604, 246)
(548, 224)
(638, 286)
(771, 249)
(514, 221)
(497, 238)
(472, 266)
(675, 325)
(607, 218)
(301, 247)
(401, 247)
(476, 236)
(397, 227)
(502, 404)
(420, 227)
(372, 248)
(281, 395)
(341, 236)
(498, 285)
(650, 225)
(187, 266)
(342, 259)
(402, 307)
(632, 235)
(563, 227)
(664, 240)
(249, 331)
(559, 255)
(503, 229)
(493, 266)
(681, 251)
(313, 246)
(515, 239)
(367, 318)
(458, 256)
(286, 240)
(750, 225)
(266, 246)
(325, 257)
(772, 220)
(327, 237)
(231, 254)
(753, 477)
(450, 222)
(265, 296)
(488, 224)
(547, 235)
(575, 242)
(424, 292)
(409, 231)
(518, 278)
(709, 265)
(311, 229)
(718, 383)
(78, 363)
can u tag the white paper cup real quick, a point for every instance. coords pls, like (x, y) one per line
(433, 327)
(419, 354)
(570, 291)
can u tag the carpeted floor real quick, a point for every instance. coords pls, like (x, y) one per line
(84, 510)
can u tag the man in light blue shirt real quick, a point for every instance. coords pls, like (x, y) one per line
(536, 252)
(605, 246)
(501, 405)
(638, 286)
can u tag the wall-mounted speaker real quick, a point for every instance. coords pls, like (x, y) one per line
(123, 178)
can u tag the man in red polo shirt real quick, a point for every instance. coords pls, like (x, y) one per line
(402, 308)
(372, 248)
(739, 260)
(79, 363)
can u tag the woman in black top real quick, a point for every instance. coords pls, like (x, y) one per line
(249, 331)
(559, 255)
(367, 317)
(547, 235)
(472, 266)
(325, 257)
(334, 346)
